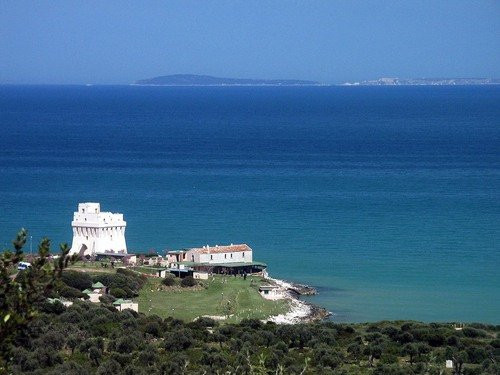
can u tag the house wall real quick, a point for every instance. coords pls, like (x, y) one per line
(94, 297)
(162, 273)
(236, 256)
(200, 275)
(131, 306)
(272, 294)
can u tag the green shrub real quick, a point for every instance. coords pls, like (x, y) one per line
(109, 367)
(473, 333)
(179, 340)
(118, 293)
(188, 281)
(75, 279)
(107, 299)
(70, 292)
(169, 280)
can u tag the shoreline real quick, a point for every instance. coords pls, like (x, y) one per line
(300, 311)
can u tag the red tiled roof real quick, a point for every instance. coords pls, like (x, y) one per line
(222, 249)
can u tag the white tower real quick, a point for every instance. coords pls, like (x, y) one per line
(97, 232)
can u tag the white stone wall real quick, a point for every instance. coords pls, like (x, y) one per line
(273, 294)
(200, 275)
(131, 306)
(94, 297)
(230, 257)
(96, 231)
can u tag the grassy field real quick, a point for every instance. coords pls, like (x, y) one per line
(91, 267)
(146, 269)
(219, 296)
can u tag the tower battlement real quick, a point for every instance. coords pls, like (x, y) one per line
(97, 232)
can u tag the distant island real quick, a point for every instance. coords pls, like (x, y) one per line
(203, 80)
(425, 82)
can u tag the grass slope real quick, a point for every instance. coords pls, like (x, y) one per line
(91, 267)
(214, 298)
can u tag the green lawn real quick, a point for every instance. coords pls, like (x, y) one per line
(91, 267)
(146, 269)
(219, 293)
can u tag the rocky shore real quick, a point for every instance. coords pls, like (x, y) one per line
(300, 311)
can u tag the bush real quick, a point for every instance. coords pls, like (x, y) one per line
(152, 328)
(53, 340)
(71, 316)
(169, 280)
(109, 367)
(55, 307)
(78, 280)
(495, 343)
(178, 340)
(473, 333)
(70, 292)
(118, 293)
(188, 281)
(107, 299)
(128, 281)
(126, 344)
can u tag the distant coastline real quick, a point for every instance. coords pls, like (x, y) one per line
(175, 80)
(425, 82)
(204, 80)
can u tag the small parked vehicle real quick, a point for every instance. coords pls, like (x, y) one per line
(23, 266)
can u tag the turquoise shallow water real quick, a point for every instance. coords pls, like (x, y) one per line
(386, 199)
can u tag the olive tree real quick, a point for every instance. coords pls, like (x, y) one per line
(22, 292)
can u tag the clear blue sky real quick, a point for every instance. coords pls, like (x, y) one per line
(330, 41)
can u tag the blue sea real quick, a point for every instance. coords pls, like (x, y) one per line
(387, 199)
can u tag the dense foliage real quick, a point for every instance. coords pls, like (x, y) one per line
(122, 284)
(21, 292)
(89, 338)
(39, 336)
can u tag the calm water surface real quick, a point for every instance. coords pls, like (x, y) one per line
(386, 199)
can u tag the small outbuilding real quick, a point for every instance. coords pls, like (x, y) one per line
(99, 287)
(271, 292)
(162, 272)
(93, 295)
(200, 275)
(123, 304)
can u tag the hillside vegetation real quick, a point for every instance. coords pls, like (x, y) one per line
(42, 336)
(96, 339)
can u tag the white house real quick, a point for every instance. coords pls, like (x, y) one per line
(97, 232)
(214, 254)
(271, 292)
(223, 254)
(228, 260)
